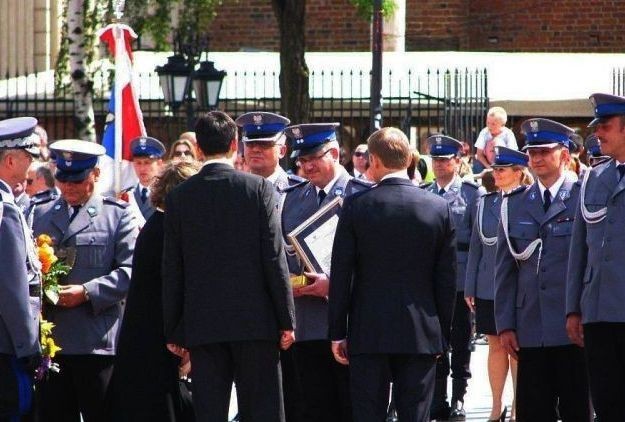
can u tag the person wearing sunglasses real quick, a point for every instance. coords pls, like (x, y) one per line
(147, 160)
(360, 159)
(100, 232)
(324, 382)
(182, 150)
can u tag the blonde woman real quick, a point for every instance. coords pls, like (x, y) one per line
(509, 171)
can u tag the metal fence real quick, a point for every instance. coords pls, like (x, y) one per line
(618, 81)
(448, 101)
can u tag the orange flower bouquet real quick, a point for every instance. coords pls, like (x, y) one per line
(52, 269)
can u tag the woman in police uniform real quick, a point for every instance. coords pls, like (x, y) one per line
(509, 171)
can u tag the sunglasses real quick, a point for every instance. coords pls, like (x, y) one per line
(360, 154)
(182, 153)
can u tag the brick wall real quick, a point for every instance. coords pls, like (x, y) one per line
(331, 25)
(467, 25)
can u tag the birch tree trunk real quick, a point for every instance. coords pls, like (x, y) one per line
(82, 85)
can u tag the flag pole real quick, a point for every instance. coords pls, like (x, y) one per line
(118, 35)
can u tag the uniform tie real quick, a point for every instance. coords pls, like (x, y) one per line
(547, 200)
(144, 195)
(75, 209)
(621, 171)
(441, 192)
(321, 195)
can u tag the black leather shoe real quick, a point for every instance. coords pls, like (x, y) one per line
(441, 414)
(457, 411)
(502, 417)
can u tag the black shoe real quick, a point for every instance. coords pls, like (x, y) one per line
(441, 414)
(502, 417)
(391, 416)
(236, 418)
(457, 411)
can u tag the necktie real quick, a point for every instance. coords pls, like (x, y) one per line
(441, 192)
(144, 195)
(75, 209)
(547, 200)
(621, 171)
(321, 195)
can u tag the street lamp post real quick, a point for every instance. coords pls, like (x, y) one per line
(181, 81)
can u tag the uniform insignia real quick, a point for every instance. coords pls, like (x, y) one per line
(299, 141)
(57, 207)
(564, 194)
(454, 189)
(142, 143)
(338, 191)
(91, 211)
(258, 119)
(438, 140)
(296, 132)
(534, 126)
(533, 195)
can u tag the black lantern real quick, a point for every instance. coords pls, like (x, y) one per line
(174, 77)
(207, 85)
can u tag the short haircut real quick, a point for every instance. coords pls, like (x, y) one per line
(391, 146)
(498, 113)
(172, 175)
(215, 131)
(45, 172)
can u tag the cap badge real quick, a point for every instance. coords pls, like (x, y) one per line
(299, 141)
(258, 119)
(296, 132)
(142, 143)
(438, 140)
(534, 126)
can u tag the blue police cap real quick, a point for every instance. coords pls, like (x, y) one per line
(18, 133)
(606, 106)
(262, 126)
(75, 158)
(146, 146)
(507, 157)
(309, 138)
(545, 133)
(593, 146)
(442, 146)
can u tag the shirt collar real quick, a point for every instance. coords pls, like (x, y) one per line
(8, 189)
(554, 189)
(448, 186)
(223, 160)
(274, 176)
(401, 174)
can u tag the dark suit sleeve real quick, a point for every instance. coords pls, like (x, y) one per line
(275, 267)
(445, 276)
(173, 275)
(343, 262)
(506, 280)
(578, 257)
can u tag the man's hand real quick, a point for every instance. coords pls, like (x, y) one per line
(470, 300)
(574, 329)
(71, 296)
(339, 350)
(319, 286)
(176, 350)
(287, 338)
(509, 342)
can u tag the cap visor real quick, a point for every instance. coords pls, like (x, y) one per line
(596, 121)
(503, 165)
(79, 176)
(443, 157)
(549, 145)
(34, 151)
(307, 151)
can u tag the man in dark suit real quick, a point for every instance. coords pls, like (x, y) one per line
(226, 290)
(389, 313)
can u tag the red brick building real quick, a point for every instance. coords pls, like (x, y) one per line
(464, 25)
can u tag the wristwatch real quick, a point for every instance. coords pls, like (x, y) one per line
(85, 293)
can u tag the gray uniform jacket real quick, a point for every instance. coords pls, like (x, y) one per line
(311, 313)
(103, 234)
(462, 199)
(146, 208)
(480, 280)
(596, 268)
(19, 321)
(530, 295)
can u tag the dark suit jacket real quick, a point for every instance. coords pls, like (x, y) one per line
(393, 288)
(225, 276)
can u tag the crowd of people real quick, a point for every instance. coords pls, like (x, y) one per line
(189, 280)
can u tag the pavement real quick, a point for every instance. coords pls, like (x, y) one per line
(478, 397)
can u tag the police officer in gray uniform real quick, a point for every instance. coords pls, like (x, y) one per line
(596, 289)
(20, 278)
(264, 146)
(147, 158)
(324, 381)
(462, 197)
(530, 282)
(100, 233)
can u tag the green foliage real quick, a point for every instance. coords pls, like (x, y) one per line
(365, 8)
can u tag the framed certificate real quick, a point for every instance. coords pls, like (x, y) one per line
(313, 238)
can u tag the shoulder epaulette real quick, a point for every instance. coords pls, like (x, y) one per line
(364, 183)
(490, 193)
(43, 197)
(295, 179)
(471, 184)
(293, 187)
(115, 201)
(517, 190)
(425, 185)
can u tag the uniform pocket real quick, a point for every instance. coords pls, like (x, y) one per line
(91, 249)
(527, 231)
(564, 228)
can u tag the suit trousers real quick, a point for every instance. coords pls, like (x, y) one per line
(254, 366)
(460, 343)
(9, 401)
(604, 349)
(550, 378)
(78, 389)
(324, 383)
(413, 385)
